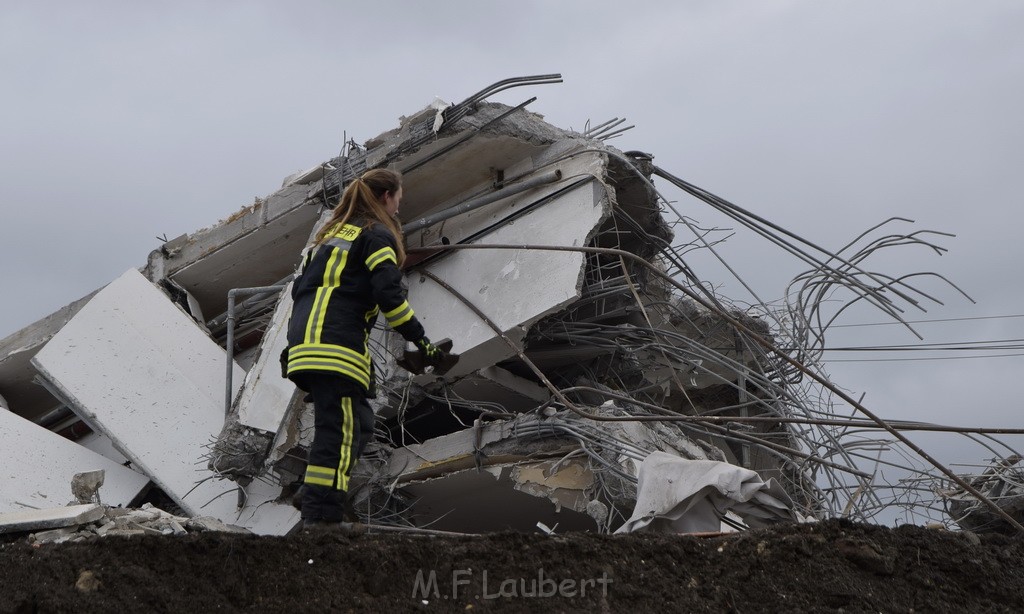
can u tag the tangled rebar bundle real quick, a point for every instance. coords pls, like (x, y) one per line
(651, 332)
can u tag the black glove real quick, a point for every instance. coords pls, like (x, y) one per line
(432, 355)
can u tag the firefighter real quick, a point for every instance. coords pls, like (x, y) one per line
(349, 275)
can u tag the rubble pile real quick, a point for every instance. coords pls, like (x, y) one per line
(542, 334)
(1003, 484)
(104, 521)
(596, 365)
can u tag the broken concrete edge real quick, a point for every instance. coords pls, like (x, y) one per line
(50, 518)
(240, 451)
(84, 522)
(535, 447)
(161, 263)
(39, 332)
(1002, 483)
(47, 462)
(179, 253)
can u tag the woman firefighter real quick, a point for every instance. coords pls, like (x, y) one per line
(349, 275)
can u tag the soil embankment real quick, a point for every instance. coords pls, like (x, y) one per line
(828, 567)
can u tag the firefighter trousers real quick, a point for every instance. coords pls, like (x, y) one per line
(343, 425)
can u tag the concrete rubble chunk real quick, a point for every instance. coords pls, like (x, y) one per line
(126, 522)
(208, 523)
(86, 486)
(51, 518)
(54, 536)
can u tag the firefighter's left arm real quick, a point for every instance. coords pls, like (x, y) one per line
(386, 283)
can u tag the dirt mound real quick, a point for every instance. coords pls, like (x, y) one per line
(831, 566)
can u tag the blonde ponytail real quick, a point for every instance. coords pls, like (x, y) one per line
(364, 198)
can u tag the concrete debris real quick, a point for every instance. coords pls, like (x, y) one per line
(38, 466)
(588, 347)
(1002, 483)
(86, 486)
(123, 522)
(181, 404)
(53, 518)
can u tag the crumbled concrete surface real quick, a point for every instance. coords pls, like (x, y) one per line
(100, 521)
(86, 486)
(49, 518)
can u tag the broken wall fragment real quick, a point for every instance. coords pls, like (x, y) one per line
(138, 369)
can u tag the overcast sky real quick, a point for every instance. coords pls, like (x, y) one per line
(128, 121)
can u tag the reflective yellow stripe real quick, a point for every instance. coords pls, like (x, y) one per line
(332, 279)
(337, 366)
(399, 315)
(323, 472)
(339, 243)
(396, 310)
(348, 428)
(307, 350)
(404, 319)
(321, 476)
(379, 256)
(318, 306)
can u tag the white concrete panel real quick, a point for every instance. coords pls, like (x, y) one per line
(29, 520)
(261, 514)
(101, 444)
(36, 467)
(265, 394)
(139, 370)
(513, 288)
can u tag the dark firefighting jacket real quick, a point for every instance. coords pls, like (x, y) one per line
(344, 283)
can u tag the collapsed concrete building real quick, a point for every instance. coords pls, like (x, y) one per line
(591, 388)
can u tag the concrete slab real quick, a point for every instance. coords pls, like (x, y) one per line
(215, 260)
(22, 395)
(139, 370)
(102, 445)
(513, 288)
(52, 518)
(265, 394)
(496, 385)
(37, 466)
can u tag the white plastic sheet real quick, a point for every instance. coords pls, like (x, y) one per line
(675, 495)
